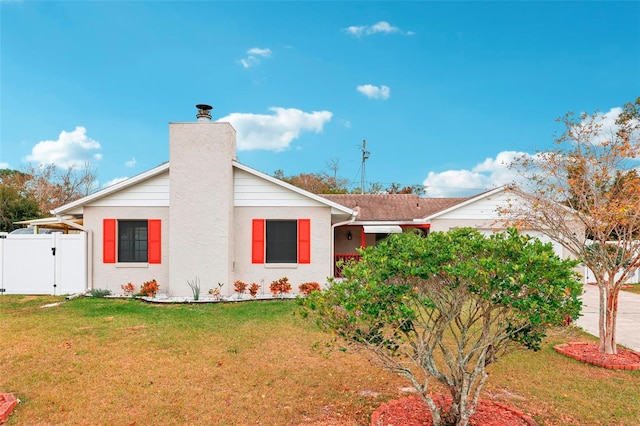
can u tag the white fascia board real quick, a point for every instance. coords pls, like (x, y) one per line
(46, 220)
(389, 222)
(67, 208)
(335, 207)
(467, 202)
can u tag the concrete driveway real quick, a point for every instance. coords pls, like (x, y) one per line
(628, 326)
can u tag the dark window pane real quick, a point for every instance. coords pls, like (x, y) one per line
(132, 241)
(282, 241)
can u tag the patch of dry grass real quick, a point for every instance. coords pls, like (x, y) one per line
(632, 288)
(97, 361)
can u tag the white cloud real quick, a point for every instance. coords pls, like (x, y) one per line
(114, 181)
(374, 92)
(254, 55)
(131, 163)
(70, 149)
(4, 165)
(275, 132)
(380, 27)
(383, 27)
(256, 51)
(491, 173)
(355, 30)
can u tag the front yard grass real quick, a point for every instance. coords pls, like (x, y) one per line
(104, 361)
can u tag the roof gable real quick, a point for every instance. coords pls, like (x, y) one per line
(481, 205)
(75, 207)
(254, 188)
(273, 191)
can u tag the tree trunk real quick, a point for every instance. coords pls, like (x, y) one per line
(610, 346)
(608, 315)
(601, 313)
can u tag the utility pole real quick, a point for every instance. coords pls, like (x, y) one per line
(365, 157)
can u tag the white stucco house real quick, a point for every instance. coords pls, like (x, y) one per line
(205, 215)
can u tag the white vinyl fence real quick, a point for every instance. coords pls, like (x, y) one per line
(43, 264)
(590, 277)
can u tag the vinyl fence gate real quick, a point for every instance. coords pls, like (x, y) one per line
(53, 264)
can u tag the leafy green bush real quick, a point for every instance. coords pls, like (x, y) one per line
(445, 306)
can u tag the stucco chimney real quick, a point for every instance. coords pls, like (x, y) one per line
(201, 200)
(204, 112)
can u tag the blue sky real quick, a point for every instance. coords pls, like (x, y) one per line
(443, 92)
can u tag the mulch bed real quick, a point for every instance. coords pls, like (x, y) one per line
(7, 404)
(589, 353)
(413, 411)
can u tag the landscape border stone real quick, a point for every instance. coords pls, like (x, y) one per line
(564, 350)
(7, 403)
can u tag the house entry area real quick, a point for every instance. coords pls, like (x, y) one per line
(53, 264)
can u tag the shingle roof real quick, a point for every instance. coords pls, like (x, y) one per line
(395, 207)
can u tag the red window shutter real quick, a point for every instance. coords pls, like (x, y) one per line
(109, 240)
(155, 241)
(257, 241)
(304, 240)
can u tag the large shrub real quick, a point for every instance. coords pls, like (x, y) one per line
(443, 307)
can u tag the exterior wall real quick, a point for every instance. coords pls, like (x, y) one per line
(318, 270)
(438, 224)
(482, 209)
(481, 214)
(489, 226)
(201, 199)
(112, 275)
(151, 192)
(345, 245)
(252, 191)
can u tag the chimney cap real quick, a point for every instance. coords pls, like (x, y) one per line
(204, 112)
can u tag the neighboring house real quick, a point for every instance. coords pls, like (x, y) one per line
(381, 214)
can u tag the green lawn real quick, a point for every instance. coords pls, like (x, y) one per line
(124, 362)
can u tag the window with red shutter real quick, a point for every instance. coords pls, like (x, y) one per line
(132, 241)
(281, 241)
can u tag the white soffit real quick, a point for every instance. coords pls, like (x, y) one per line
(382, 229)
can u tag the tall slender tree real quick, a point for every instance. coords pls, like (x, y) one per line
(585, 194)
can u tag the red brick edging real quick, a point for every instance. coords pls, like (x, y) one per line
(7, 404)
(563, 349)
